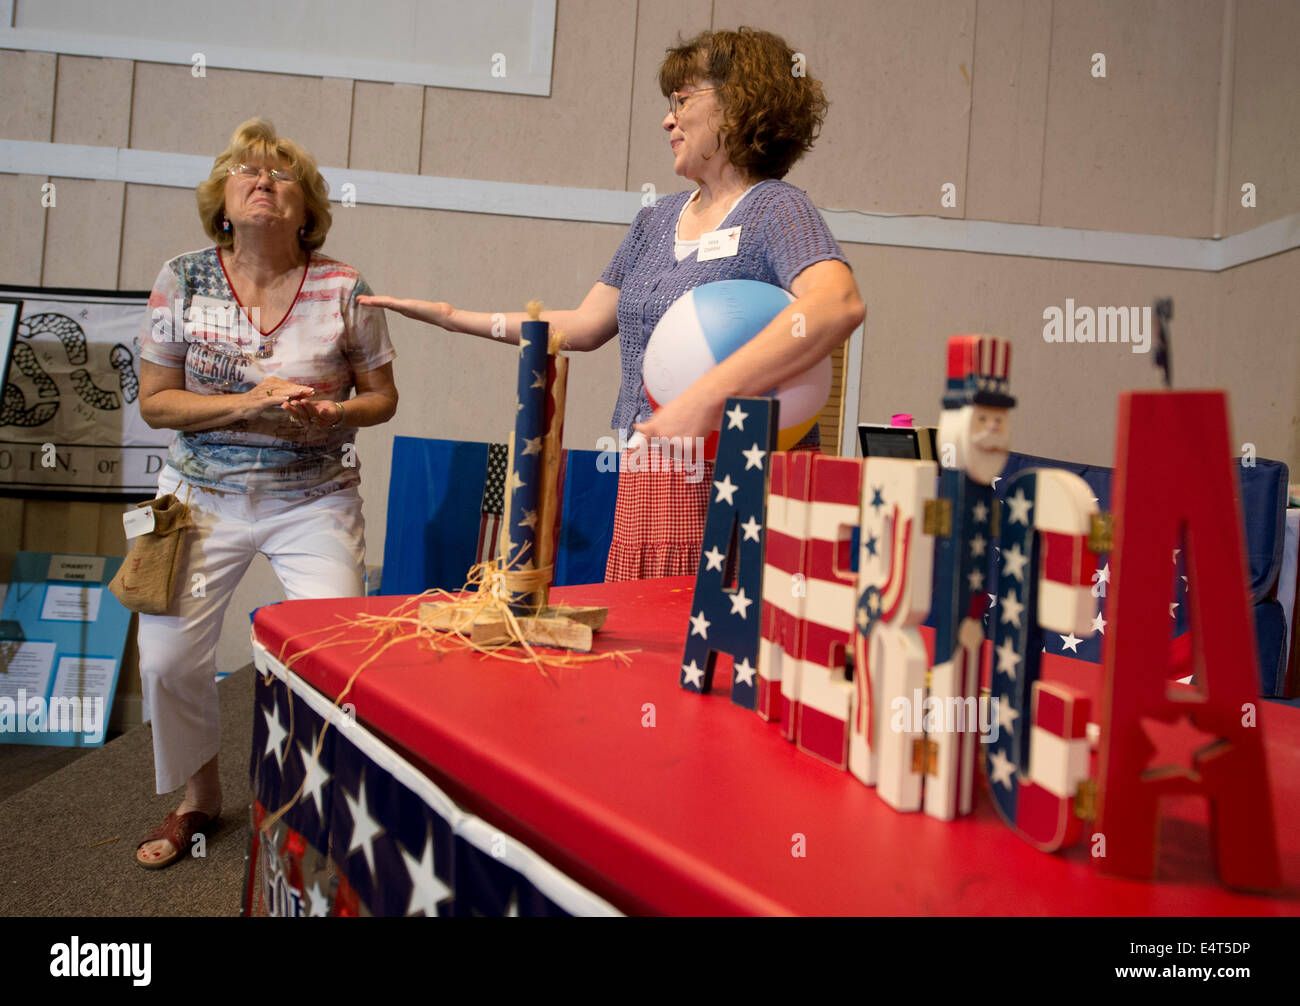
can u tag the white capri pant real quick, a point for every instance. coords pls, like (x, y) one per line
(317, 549)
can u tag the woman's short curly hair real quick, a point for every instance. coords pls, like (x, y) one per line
(773, 110)
(256, 140)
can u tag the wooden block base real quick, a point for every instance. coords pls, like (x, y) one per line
(568, 628)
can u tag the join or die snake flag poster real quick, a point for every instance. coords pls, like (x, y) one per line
(70, 418)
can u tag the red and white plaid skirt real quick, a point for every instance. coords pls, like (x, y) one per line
(658, 522)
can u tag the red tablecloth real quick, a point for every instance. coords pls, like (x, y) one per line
(699, 813)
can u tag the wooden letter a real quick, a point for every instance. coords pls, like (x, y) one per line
(1173, 474)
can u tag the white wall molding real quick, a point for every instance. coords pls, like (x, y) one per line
(610, 206)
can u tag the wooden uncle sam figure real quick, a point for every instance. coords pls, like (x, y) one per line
(974, 434)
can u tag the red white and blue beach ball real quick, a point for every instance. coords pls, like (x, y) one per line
(706, 325)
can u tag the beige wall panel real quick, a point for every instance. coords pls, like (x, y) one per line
(1258, 333)
(1265, 113)
(458, 387)
(160, 223)
(386, 122)
(27, 83)
(658, 25)
(57, 526)
(1009, 110)
(578, 136)
(93, 101)
(1067, 392)
(83, 235)
(898, 80)
(173, 110)
(1134, 151)
(24, 228)
(112, 538)
(11, 538)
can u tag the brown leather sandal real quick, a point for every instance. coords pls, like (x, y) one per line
(178, 829)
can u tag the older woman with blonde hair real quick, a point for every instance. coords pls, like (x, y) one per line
(251, 353)
(741, 112)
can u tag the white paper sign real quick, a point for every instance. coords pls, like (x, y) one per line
(71, 604)
(138, 521)
(84, 676)
(26, 666)
(82, 568)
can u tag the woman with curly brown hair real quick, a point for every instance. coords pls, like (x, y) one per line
(740, 113)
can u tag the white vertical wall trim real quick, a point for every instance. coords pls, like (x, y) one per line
(852, 387)
(541, 52)
(613, 206)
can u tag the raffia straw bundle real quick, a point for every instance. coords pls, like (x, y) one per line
(487, 591)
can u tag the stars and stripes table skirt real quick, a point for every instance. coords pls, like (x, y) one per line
(468, 785)
(371, 834)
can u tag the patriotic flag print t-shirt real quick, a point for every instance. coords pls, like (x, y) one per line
(196, 322)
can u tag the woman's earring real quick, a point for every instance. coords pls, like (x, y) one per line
(302, 232)
(225, 224)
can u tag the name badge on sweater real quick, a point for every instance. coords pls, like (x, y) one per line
(719, 244)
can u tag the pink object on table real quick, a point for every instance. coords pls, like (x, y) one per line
(900, 419)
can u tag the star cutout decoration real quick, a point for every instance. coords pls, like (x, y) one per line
(1007, 716)
(877, 497)
(1173, 605)
(426, 889)
(1001, 767)
(514, 482)
(275, 735)
(754, 458)
(1099, 623)
(1020, 507)
(726, 488)
(745, 672)
(539, 379)
(714, 559)
(870, 544)
(976, 580)
(530, 519)
(317, 779)
(1011, 609)
(980, 512)
(1008, 659)
(1071, 643)
(977, 544)
(740, 603)
(996, 480)
(522, 344)
(736, 418)
(365, 829)
(533, 445)
(751, 528)
(1013, 562)
(1176, 747)
(700, 626)
(694, 674)
(318, 903)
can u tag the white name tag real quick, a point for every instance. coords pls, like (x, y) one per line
(719, 244)
(138, 521)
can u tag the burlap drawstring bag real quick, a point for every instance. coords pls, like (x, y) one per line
(146, 580)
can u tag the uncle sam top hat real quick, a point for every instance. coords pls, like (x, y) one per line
(979, 372)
